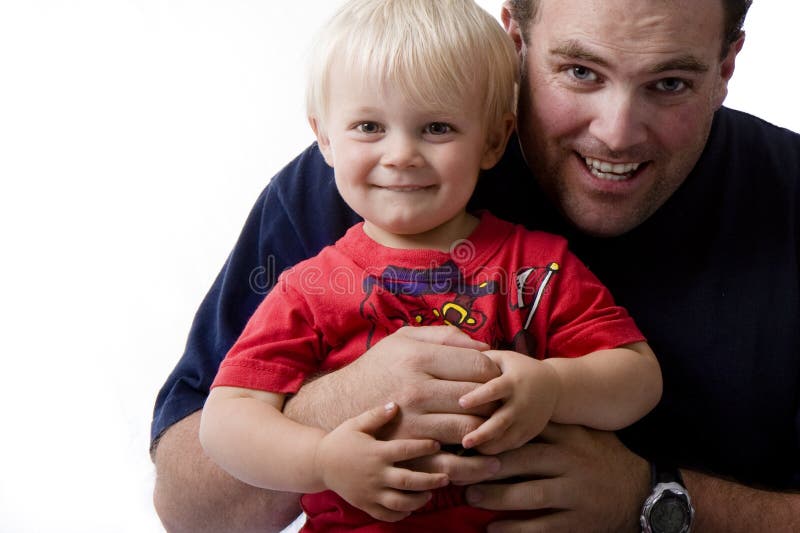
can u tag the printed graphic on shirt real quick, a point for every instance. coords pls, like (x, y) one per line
(421, 297)
(530, 284)
(441, 295)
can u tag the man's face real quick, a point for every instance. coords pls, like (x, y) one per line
(616, 102)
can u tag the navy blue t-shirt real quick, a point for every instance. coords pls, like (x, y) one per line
(711, 279)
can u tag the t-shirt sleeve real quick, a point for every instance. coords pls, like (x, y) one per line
(282, 229)
(583, 315)
(280, 346)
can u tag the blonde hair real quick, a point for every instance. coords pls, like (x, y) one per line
(434, 52)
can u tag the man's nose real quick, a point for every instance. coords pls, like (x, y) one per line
(619, 122)
(401, 151)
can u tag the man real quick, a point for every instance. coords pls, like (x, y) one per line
(688, 212)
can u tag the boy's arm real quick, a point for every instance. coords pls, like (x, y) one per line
(426, 369)
(246, 433)
(193, 494)
(607, 389)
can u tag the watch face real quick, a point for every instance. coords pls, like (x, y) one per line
(669, 514)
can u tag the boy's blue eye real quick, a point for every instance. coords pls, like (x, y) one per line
(368, 127)
(438, 128)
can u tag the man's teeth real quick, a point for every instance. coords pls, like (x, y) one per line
(610, 171)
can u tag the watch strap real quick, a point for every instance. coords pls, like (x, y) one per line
(664, 473)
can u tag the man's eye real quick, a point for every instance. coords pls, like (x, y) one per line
(438, 128)
(369, 127)
(671, 85)
(582, 73)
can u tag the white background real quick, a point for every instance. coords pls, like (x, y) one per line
(134, 137)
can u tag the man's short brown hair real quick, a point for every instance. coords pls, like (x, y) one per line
(524, 11)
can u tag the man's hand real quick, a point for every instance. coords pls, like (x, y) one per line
(425, 370)
(584, 479)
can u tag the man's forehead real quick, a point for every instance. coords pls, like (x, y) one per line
(707, 14)
(598, 27)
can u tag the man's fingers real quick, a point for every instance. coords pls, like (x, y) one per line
(458, 364)
(460, 470)
(556, 432)
(406, 449)
(448, 353)
(445, 428)
(441, 396)
(535, 459)
(552, 522)
(526, 495)
(446, 335)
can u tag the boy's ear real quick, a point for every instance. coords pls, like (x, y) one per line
(322, 140)
(497, 140)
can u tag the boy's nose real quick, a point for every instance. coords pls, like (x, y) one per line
(401, 151)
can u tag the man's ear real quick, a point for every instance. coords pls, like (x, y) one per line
(497, 140)
(511, 26)
(322, 140)
(727, 67)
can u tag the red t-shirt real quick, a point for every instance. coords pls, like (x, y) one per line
(504, 285)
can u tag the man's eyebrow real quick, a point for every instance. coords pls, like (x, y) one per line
(573, 49)
(687, 63)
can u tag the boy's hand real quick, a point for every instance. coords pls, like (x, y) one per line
(361, 469)
(529, 390)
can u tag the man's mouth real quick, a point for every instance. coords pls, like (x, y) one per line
(605, 170)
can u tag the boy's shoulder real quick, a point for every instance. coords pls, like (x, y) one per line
(528, 241)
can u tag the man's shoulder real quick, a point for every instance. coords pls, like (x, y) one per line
(334, 255)
(307, 173)
(744, 145)
(302, 205)
(741, 127)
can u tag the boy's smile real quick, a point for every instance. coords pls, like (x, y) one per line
(407, 170)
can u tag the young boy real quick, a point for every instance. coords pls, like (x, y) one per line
(409, 100)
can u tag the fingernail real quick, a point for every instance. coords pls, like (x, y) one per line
(494, 466)
(389, 406)
(474, 495)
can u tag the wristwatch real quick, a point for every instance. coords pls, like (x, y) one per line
(668, 509)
